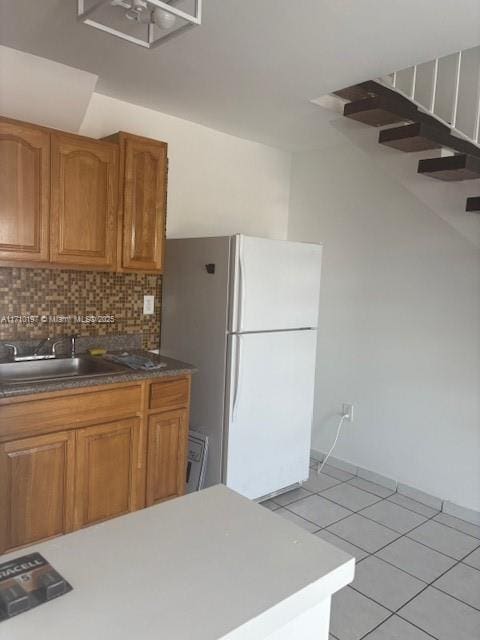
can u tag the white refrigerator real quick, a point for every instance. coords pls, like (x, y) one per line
(244, 310)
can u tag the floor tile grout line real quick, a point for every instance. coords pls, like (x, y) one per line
(408, 508)
(302, 486)
(454, 597)
(411, 575)
(396, 492)
(416, 626)
(365, 636)
(407, 535)
(399, 534)
(400, 507)
(316, 523)
(455, 528)
(392, 611)
(341, 505)
(368, 491)
(402, 535)
(305, 497)
(391, 542)
(430, 585)
(371, 553)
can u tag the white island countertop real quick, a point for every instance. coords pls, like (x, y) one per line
(209, 565)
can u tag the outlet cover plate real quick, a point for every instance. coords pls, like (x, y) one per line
(148, 305)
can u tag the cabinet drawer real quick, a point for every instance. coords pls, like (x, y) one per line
(169, 394)
(42, 415)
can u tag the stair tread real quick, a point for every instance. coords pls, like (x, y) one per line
(377, 111)
(473, 204)
(353, 93)
(451, 168)
(410, 138)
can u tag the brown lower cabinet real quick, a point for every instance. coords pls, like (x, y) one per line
(36, 488)
(167, 439)
(62, 470)
(106, 457)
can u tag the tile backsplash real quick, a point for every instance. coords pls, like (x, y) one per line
(36, 303)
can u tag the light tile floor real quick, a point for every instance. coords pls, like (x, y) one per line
(418, 571)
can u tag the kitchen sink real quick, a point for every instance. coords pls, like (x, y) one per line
(58, 368)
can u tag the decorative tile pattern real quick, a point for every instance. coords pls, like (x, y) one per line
(55, 293)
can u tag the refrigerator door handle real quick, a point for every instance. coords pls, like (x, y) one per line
(238, 352)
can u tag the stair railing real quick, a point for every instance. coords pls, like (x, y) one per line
(448, 88)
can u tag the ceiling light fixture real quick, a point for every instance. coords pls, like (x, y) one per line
(147, 23)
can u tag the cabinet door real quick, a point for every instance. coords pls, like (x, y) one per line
(106, 461)
(36, 489)
(144, 205)
(24, 192)
(84, 195)
(166, 455)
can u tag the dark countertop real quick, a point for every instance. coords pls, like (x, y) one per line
(173, 368)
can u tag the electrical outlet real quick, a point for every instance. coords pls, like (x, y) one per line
(347, 411)
(148, 305)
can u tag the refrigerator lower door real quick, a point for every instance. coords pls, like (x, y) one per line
(276, 284)
(270, 407)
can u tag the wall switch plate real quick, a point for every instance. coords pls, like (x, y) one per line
(347, 411)
(148, 305)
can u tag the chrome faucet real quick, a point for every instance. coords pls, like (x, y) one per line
(73, 345)
(72, 338)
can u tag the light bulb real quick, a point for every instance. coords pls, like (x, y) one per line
(137, 8)
(163, 19)
(139, 5)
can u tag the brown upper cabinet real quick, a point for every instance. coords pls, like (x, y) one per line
(74, 202)
(143, 196)
(24, 192)
(84, 202)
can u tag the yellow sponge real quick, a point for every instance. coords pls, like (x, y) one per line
(97, 351)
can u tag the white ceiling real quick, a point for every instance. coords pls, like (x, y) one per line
(253, 66)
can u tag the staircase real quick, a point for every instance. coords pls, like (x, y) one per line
(433, 106)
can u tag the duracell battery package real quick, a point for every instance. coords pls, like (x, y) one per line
(26, 582)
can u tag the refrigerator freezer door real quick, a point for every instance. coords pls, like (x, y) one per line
(276, 284)
(270, 400)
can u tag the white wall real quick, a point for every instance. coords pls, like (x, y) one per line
(43, 91)
(218, 184)
(400, 325)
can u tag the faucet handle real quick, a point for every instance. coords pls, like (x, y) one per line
(12, 347)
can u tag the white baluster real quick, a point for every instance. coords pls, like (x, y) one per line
(453, 119)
